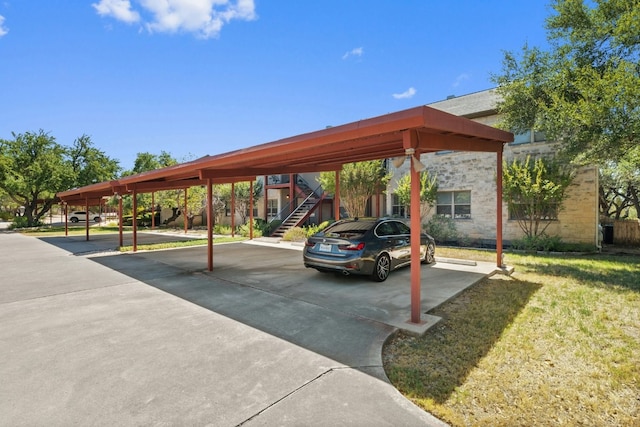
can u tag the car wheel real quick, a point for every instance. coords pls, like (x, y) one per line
(381, 268)
(430, 254)
(74, 219)
(96, 219)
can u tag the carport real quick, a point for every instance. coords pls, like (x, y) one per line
(408, 133)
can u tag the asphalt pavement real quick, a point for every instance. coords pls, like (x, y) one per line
(92, 337)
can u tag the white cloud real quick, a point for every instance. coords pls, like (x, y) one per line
(205, 18)
(3, 30)
(358, 51)
(406, 94)
(461, 78)
(119, 9)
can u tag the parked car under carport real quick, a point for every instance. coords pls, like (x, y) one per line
(365, 246)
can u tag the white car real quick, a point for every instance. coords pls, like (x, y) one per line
(82, 216)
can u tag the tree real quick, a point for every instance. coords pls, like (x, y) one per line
(144, 162)
(243, 197)
(428, 192)
(585, 91)
(620, 189)
(34, 167)
(534, 192)
(358, 182)
(89, 164)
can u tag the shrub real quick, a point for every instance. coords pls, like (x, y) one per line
(442, 229)
(295, 234)
(244, 230)
(313, 229)
(271, 226)
(222, 229)
(22, 222)
(539, 243)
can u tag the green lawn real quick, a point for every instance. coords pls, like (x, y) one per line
(557, 343)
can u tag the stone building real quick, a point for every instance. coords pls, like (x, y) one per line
(467, 185)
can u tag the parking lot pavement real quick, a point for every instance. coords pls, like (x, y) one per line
(138, 340)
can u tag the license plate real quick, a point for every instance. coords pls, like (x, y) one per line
(324, 247)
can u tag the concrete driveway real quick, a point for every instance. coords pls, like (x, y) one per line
(152, 338)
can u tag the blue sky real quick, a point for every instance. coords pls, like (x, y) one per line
(210, 76)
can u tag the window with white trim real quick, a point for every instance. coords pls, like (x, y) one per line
(272, 208)
(397, 208)
(454, 204)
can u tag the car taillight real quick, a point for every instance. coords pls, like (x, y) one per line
(352, 247)
(310, 244)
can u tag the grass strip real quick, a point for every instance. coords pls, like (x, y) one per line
(556, 343)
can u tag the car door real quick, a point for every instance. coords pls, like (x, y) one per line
(403, 242)
(392, 242)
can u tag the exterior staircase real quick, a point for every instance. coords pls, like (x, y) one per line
(301, 212)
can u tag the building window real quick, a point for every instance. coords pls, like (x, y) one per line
(397, 209)
(255, 212)
(528, 137)
(522, 138)
(272, 208)
(454, 204)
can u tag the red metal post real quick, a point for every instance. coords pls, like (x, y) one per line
(66, 219)
(336, 198)
(415, 243)
(120, 220)
(499, 210)
(266, 199)
(153, 210)
(209, 224)
(86, 214)
(135, 220)
(251, 210)
(233, 209)
(185, 212)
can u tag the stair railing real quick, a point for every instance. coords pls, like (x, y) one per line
(314, 193)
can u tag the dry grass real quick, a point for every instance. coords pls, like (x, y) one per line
(558, 343)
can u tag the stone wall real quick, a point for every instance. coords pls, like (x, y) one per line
(476, 172)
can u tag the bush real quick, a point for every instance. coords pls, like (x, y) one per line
(222, 229)
(295, 234)
(539, 243)
(244, 230)
(442, 229)
(5, 216)
(22, 222)
(271, 226)
(313, 229)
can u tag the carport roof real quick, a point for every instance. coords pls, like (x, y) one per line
(423, 129)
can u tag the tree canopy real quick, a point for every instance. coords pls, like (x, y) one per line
(583, 92)
(34, 167)
(358, 182)
(428, 192)
(535, 191)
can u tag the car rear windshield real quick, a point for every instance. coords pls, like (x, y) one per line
(349, 229)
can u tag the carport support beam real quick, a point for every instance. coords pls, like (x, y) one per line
(86, 217)
(336, 197)
(233, 209)
(135, 220)
(499, 253)
(209, 224)
(184, 214)
(121, 240)
(415, 243)
(250, 210)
